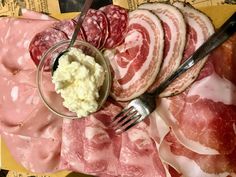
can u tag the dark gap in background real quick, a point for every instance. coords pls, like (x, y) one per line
(76, 5)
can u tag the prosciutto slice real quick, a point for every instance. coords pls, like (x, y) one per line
(175, 37)
(189, 163)
(136, 62)
(199, 28)
(203, 119)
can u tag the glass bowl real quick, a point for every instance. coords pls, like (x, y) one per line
(46, 88)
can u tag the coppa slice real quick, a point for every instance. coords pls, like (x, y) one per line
(136, 62)
(175, 37)
(118, 21)
(199, 28)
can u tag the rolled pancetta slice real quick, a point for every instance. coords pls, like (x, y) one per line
(175, 37)
(136, 62)
(199, 29)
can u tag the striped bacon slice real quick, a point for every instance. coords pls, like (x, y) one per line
(136, 62)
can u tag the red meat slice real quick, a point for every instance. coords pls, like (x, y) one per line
(175, 37)
(93, 32)
(199, 29)
(118, 21)
(96, 28)
(193, 164)
(136, 62)
(43, 41)
(203, 119)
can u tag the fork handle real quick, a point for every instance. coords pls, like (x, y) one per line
(220, 36)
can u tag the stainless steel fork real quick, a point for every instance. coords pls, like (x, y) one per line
(138, 109)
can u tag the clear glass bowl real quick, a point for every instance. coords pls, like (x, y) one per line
(44, 77)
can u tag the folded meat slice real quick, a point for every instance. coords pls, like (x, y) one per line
(89, 146)
(26, 125)
(189, 163)
(199, 28)
(136, 62)
(139, 155)
(29, 14)
(203, 118)
(39, 155)
(17, 37)
(175, 37)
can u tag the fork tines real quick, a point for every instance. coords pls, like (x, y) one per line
(125, 119)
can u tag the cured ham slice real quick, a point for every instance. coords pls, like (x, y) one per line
(175, 37)
(199, 29)
(136, 62)
(203, 117)
(189, 163)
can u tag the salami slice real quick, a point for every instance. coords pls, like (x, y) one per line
(43, 41)
(93, 32)
(118, 22)
(67, 27)
(101, 19)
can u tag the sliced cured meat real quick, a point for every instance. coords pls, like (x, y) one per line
(175, 37)
(89, 146)
(199, 28)
(65, 26)
(93, 32)
(92, 148)
(136, 62)
(139, 156)
(193, 164)
(43, 41)
(25, 123)
(68, 27)
(203, 117)
(95, 27)
(29, 14)
(118, 21)
(28, 151)
(18, 33)
(229, 50)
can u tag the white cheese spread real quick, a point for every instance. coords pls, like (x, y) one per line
(78, 79)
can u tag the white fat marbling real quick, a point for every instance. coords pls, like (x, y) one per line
(215, 88)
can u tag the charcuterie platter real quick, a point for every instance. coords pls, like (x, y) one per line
(193, 125)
